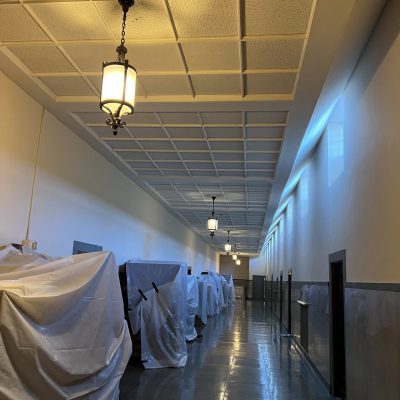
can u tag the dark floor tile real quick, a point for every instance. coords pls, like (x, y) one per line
(242, 356)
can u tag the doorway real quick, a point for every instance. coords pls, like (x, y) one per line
(337, 279)
(258, 287)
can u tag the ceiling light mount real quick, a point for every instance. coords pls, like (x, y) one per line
(235, 253)
(119, 81)
(212, 223)
(228, 246)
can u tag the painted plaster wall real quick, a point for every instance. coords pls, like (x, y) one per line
(79, 195)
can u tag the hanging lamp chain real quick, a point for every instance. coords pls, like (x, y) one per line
(121, 49)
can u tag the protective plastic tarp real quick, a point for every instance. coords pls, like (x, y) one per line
(212, 294)
(217, 279)
(192, 296)
(160, 313)
(202, 310)
(225, 290)
(229, 280)
(62, 328)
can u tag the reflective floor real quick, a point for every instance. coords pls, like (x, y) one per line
(242, 356)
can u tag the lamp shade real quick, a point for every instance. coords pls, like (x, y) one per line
(212, 224)
(118, 89)
(238, 262)
(234, 257)
(228, 247)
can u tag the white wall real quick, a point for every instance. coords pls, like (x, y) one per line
(78, 194)
(349, 194)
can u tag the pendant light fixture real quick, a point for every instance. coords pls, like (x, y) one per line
(234, 255)
(212, 223)
(228, 246)
(238, 262)
(119, 81)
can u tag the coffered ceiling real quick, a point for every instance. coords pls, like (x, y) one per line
(225, 92)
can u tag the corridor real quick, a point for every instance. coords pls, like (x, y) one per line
(242, 356)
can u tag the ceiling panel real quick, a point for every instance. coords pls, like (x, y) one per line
(12, 16)
(265, 132)
(209, 56)
(43, 58)
(224, 133)
(147, 19)
(67, 85)
(222, 117)
(273, 53)
(266, 117)
(216, 84)
(165, 85)
(271, 17)
(195, 18)
(74, 21)
(272, 83)
(179, 118)
(147, 132)
(186, 132)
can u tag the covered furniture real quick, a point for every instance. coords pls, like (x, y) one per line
(229, 281)
(192, 306)
(157, 308)
(62, 328)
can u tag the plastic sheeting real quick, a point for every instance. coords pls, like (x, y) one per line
(220, 293)
(213, 307)
(192, 306)
(160, 313)
(231, 297)
(202, 310)
(62, 328)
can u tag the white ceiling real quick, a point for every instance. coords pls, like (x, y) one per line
(226, 89)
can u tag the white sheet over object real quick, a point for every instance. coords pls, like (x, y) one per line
(162, 317)
(62, 328)
(213, 299)
(162, 328)
(141, 275)
(192, 295)
(217, 279)
(229, 280)
(202, 309)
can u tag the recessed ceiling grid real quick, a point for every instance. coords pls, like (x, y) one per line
(181, 167)
(183, 58)
(190, 53)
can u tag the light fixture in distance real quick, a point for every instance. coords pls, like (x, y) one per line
(228, 246)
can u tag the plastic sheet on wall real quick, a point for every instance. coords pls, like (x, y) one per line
(62, 328)
(157, 307)
(192, 294)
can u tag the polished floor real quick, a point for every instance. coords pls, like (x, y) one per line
(242, 356)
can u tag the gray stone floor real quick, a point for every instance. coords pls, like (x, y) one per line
(242, 356)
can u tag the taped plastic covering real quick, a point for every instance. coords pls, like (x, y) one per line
(231, 297)
(157, 307)
(203, 307)
(62, 328)
(192, 294)
(213, 307)
(220, 294)
(225, 289)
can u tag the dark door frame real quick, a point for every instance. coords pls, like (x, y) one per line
(280, 296)
(337, 284)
